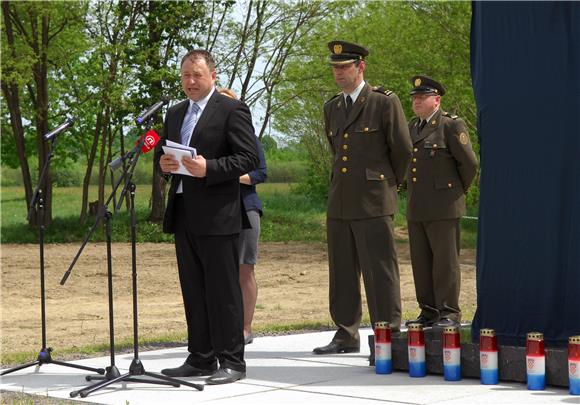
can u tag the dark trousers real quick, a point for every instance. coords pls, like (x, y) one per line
(364, 246)
(209, 277)
(435, 260)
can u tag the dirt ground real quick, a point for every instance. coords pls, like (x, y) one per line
(292, 279)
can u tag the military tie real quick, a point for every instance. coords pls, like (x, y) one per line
(422, 125)
(348, 105)
(189, 124)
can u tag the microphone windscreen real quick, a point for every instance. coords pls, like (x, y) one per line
(151, 140)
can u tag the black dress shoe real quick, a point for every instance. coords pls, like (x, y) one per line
(225, 376)
(187, 370)
(445, 322)
(336, 347)
(421, 320)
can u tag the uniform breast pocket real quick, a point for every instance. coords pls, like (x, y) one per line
(436, 149)
(381, 174)
(449, 182)
(367, 129)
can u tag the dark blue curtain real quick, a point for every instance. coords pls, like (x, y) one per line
(525, 65)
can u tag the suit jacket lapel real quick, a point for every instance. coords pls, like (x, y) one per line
(205, 117)
(428, 129)
(357, 107)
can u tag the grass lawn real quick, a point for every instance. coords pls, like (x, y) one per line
(288, 216)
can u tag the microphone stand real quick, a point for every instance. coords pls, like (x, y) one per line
(37, 201)
(136, 368)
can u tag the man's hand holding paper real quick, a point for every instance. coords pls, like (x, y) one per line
(180, 159)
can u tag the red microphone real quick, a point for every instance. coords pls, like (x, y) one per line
(151, 140)
(147, 142)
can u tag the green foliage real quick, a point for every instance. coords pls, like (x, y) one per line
(290, 216)
(404, 39)
(269, 144)
(284, 171)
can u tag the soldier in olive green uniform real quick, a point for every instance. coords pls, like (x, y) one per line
(442, 169)
(371, 148)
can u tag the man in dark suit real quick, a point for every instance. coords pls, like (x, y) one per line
(441, 171)
(205, 213)
(371, 148)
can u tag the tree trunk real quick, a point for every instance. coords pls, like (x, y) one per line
(12, 96)
(157, 182)
(89, 171)
(40, 73)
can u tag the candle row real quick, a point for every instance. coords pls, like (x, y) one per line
(488, 356)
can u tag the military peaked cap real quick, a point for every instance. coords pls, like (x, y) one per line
(345, 52)
(426, 85)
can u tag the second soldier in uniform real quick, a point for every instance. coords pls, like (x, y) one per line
(442, 169)
(371, 148)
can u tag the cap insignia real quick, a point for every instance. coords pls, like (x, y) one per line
(337, 49)
(417, 82)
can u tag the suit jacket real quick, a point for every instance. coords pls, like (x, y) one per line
(442, 169)
(224, 135)
(371, 149)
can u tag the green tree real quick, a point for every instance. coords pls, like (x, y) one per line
(404, 39)
(166, 30)
(37, 39)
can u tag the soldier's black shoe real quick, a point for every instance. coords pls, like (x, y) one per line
(421, 320)
(336, 347)
(187, 370)
(445, 322)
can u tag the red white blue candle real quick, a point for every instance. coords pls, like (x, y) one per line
(574, 364)
(383, 361)
(535, 361)
(416, 348)
(451, 354)
(488, 359)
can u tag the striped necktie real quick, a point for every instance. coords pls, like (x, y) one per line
(189, 124)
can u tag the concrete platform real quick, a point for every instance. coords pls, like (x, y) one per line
(282, 370)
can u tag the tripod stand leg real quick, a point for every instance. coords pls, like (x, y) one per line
(20, 367)
(86, 368)
(133, 379)
(198, 387)
(97, 386)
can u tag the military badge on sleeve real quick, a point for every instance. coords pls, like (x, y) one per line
(463, 138)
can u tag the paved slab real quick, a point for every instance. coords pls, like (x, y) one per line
(282, 370)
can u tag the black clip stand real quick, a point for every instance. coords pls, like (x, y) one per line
(136, 368)
(44, 356)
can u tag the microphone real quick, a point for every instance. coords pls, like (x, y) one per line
(150, 141)
(145, 142)
(68, 123)
(145, 115)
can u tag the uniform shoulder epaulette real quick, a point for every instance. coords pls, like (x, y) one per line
(333, 97)
(452, 116)
(381, 89)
